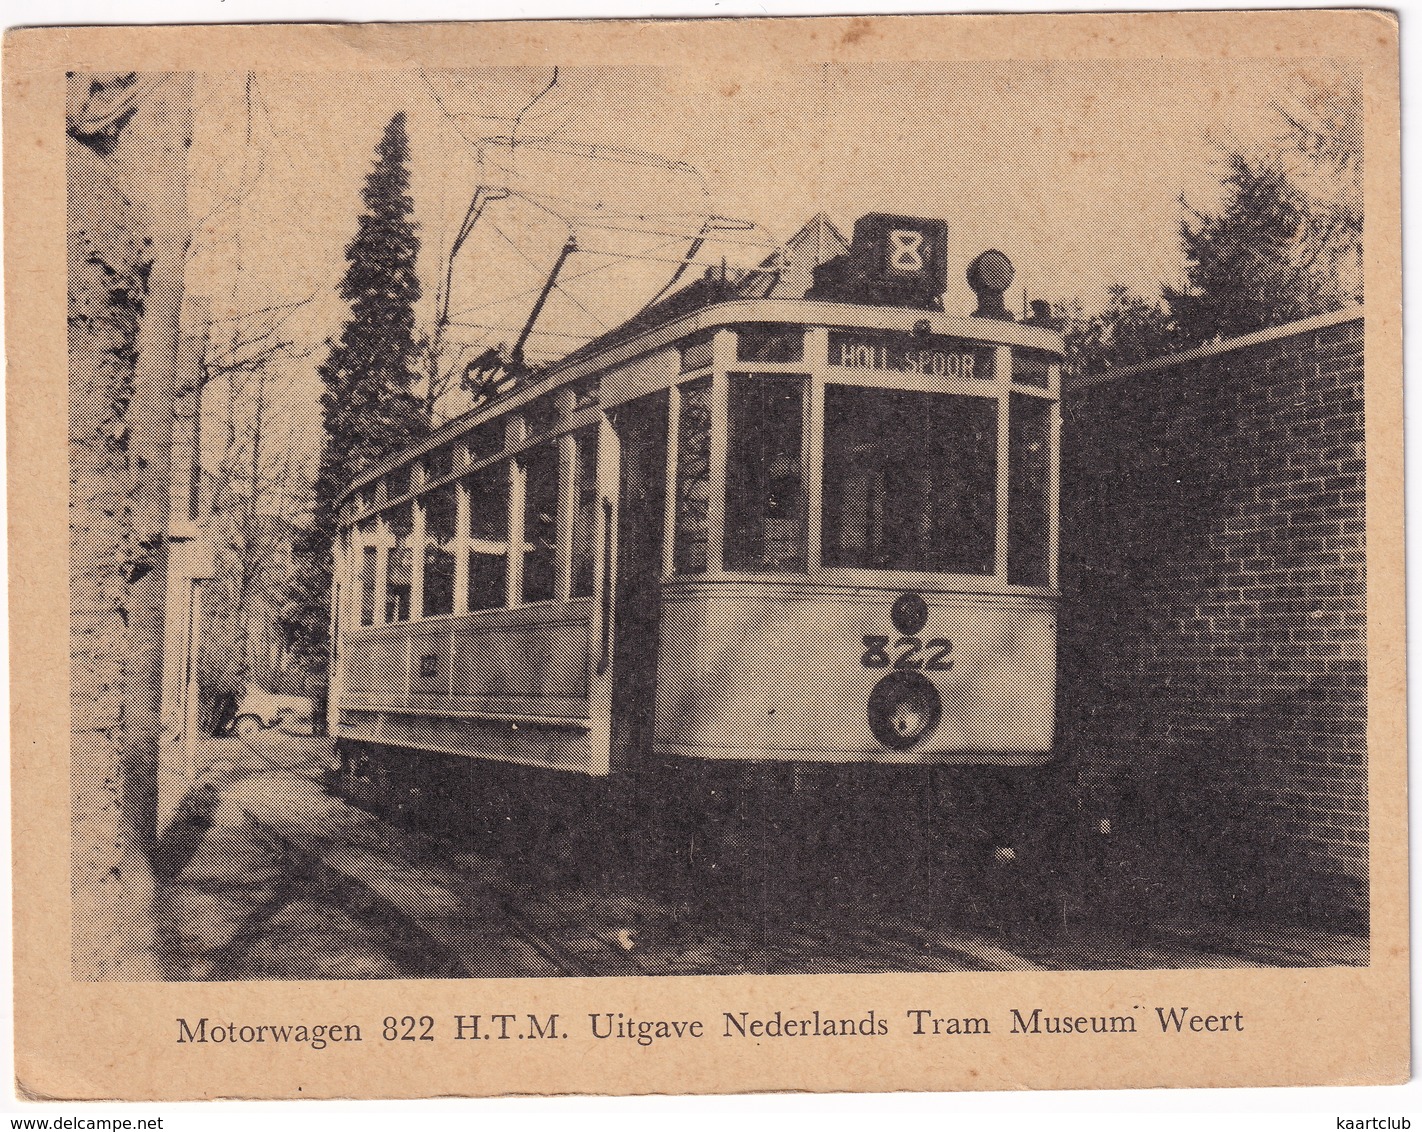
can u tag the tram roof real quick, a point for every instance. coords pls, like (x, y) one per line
(772, 292)
(614, 351)
(787, 274)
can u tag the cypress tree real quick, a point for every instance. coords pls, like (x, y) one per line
(369, 408)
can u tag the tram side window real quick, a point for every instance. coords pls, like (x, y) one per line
(366, 533)
(438, 564)
(770, 344)
(397, 483)
(540, 522)
(1032, 367)
(439, 463)
(485, 441)
(1029, 451)
(765, 493)
(584, 512)
(910, 481)
(401, 565)
(488, 536)
(693, 479)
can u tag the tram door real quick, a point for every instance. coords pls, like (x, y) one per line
(641, 427)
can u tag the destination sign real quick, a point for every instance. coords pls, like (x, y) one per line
(933, 354)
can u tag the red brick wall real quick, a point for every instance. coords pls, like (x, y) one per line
(1213, 641)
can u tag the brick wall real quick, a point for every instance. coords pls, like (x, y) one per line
(1213, 641)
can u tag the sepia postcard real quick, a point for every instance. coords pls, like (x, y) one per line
(622, 557)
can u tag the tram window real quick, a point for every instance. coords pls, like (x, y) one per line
(366, 534)
(1032, 367)
(401, 566)
(485, 441)
(910, 481)
(693, 479)
(541, 416)
(770, 344)
(439, 463)
(440, 523)
(540, 522)
(696, 352)
(765, 493)
(397, 483)
(584, 512)
(488, 536)
(1029, 449)
(586, 392)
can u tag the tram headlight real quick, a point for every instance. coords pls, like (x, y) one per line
(903, 708)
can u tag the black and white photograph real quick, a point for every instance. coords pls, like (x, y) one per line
(606, 520)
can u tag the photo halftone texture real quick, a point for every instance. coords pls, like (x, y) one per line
(819, 784)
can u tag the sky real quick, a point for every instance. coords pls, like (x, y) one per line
(1074, 169)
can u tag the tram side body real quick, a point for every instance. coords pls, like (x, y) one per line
(807, 675)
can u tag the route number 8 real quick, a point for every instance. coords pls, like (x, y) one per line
(904, 251)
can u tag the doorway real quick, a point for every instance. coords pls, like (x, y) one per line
(641, 428)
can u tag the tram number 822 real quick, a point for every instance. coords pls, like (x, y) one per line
(931, 656)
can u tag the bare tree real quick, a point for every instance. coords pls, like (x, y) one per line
(260, 486)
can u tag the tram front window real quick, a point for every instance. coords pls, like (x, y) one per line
(693, 479)
(585, 513)
(910, 481)
(1029, 448)
(765, 495)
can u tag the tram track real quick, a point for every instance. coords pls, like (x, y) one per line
(427, 908)
(446, 910)
(315, 886)
(451, 913)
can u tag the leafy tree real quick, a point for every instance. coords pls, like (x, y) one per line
(1288, 239)
(1130, 328)
(1323, 125)
(369, 407)
(1257, 263)
(1286, 242)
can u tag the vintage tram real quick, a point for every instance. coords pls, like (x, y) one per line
(783, 527)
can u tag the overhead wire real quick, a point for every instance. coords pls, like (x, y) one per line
(563, 125)
(450, 115)
(245, 185)
(686, 236)
(518, 121)
(644, 214)
(653, 259)
(516, 329)
(571, 279)
(556, 286)
(263, 310)
(271, 126)
(552, 143)
(582, 222)
(593, 151)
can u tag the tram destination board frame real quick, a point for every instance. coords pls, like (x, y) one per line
(1019, 561)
